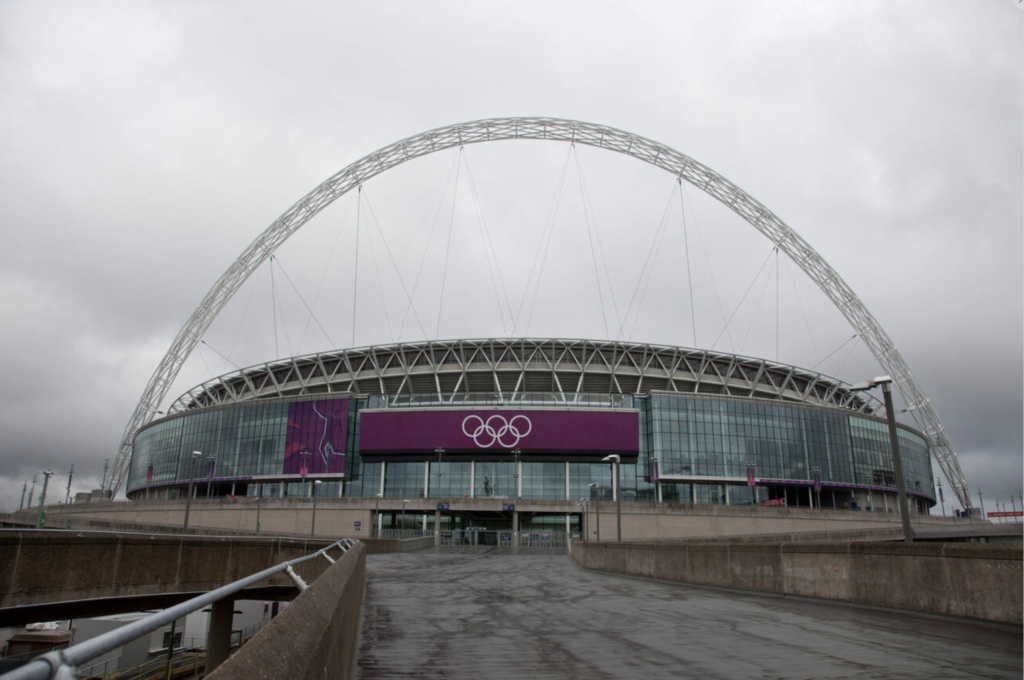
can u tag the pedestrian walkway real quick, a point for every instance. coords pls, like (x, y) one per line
(489, 614)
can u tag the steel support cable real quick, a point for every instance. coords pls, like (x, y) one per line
(847, 358)
(711, 274)
(245, 311)
(757, 305)
(643, 270)
(214, 350)
(549, 230)
(588, 206)
(323, 277)
(489, 253)
(380, 285)
(548, 129)
(355, 265)
(284, 322)
(199, 348)
(426, 248)
(689, 276)
(658, 237)
(480, 224)
(850, 339)
(803, 312)
(448, 245)
(303, 301)
(391, 257)
(273, 304)
(740, 304)
(590, 239)
(776, 304)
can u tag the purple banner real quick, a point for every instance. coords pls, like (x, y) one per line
(315, 441)
(475, 431)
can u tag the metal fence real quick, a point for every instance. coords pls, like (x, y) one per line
(64, 664)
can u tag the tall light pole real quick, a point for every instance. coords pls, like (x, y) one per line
(374, 530)
(585, 504)
(515, 470)
(312, 524)
(614, 460)
(894, 447)
(597, 508)
(196, 455)
(24, 488)
(941, 499)
(981, 499)
(440, 454)
(404, 503)
(211, 463)
(67, 497)
(41, 523)
(259, 497)
(32, 492)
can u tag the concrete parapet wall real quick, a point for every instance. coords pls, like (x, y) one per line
(315, 636)
(978, 581)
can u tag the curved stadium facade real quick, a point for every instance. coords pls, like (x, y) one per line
(531, 419)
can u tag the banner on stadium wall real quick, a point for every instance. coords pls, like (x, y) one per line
(471, 432)
(319, 428)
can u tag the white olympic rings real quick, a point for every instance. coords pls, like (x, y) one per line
(488, 432)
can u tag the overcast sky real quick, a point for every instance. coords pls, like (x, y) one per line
(144, 145)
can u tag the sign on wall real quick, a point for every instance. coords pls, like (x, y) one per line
(479, 431)
(317, 428)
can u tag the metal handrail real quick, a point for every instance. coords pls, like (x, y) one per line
(63, 664)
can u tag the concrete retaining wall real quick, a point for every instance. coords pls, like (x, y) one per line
(315, 636)
(971, 580)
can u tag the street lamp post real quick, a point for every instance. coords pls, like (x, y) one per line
(304, 467)
(312, 524)
(259, 497)
(894, 448)
(942, 499)
(404, 503)
(597, 508)
(41, 523)
(375, 529)
(440, 454)
(67, 497)
(515, 471)
(196, 455)
(211, 463)
(614, 460)
(585, 504)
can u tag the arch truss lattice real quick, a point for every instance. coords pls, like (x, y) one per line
(552, 129)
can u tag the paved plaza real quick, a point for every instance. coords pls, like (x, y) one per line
(485, 614)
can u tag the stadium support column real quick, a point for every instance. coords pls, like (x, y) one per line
(218, 636)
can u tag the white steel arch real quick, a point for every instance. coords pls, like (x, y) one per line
(495, 129)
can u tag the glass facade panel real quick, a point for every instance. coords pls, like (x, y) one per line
(690, 437)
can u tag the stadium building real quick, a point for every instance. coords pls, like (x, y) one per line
(531, 419)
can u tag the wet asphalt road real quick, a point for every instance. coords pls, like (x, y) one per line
(485, 615)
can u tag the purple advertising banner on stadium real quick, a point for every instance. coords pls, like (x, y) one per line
(476, 431)
(319, 428)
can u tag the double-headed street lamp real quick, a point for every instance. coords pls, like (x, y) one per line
(894, 447)
(614, 460)
(597, 508)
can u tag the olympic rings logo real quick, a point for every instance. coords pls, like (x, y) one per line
(507, 433)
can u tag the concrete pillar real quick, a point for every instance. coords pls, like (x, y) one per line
(515, 529)
(437, 528)
(218, 636)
